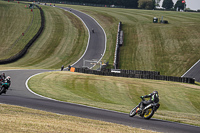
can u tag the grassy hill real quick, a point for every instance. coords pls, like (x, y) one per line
(62, 42)
(179, 101)
(171, 49)
(15, 20)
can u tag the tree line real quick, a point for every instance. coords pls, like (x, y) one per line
(126, 3)
(141, 4)
(179, 5)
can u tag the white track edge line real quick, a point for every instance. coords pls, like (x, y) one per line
(191, 68)
(86, 105)
(89, 35)
(26, 83)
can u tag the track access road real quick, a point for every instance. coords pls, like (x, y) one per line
(20, 95)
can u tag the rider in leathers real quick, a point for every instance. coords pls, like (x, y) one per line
(154, 98)
(2, 77)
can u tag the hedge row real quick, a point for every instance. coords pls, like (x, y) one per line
(28, 45)
(137, 74)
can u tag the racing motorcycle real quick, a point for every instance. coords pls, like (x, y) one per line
(4, 85)
(147, 112)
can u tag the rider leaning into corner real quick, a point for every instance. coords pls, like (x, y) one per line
(154, 98)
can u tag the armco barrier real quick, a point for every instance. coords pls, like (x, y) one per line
(25, 49)
(118, 41)
(137, 74)
(140, 72)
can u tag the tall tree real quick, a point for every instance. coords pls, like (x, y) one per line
(167, 4)
(127, 3)
(146, 4)
(180, 5)
(153, 4)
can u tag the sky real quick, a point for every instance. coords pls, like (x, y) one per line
(192, 4)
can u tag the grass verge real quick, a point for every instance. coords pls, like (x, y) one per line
(179, 101)
(20, 119)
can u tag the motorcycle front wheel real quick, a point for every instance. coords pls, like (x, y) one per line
(148, 113)
(2, 90)
(133, 112)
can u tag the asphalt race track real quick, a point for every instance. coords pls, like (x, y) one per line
(96, 43)
(194, 72)
(18, 94)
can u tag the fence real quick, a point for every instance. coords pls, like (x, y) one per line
(136, 74)
(25, 49)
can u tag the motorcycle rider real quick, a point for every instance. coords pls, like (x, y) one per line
(154, 98)
(7, 81)
(2, 76)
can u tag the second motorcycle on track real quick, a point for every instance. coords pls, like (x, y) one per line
(4, 85)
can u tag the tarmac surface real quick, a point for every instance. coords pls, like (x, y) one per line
(194, 72)
(96, 43)
(18, 94)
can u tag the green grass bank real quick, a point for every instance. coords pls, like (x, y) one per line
(62, 42)
(179, 101)
(15, 20)
(171, 49)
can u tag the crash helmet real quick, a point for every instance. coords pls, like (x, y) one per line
(155, 92)
(8, 77)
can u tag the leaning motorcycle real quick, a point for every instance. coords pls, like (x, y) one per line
(4, 85)
(147, 112)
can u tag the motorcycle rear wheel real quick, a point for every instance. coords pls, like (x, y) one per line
(133, 112)
(148, 113)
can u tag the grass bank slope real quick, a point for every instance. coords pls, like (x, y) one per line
(169, 48)
(15, 20)
(20, 119)
(62, 42)
(179, 101)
